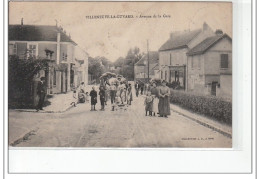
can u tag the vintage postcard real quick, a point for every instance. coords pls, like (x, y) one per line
(120, 74)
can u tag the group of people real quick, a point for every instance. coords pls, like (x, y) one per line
(157, 99)
(118, 93)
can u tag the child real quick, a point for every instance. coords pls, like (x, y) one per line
(148, 103)
(87, 97)
(75, 99)
(93, 94)
(102, 95)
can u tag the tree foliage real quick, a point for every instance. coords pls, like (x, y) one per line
(127, 63)
(20, 77)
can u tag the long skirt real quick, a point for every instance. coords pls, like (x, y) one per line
(155, 105)
(164, 106)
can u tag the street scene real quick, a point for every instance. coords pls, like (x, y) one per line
(106, 79)
(80, 127)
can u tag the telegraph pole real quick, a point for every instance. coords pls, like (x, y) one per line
(148, 58)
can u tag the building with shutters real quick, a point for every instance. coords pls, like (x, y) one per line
(173, 54)
(68, 64)
(210, 66)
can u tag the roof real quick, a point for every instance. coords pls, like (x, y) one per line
(153, 58)
(156, 67)
(206, 44)
(179, 40)
(36, 33)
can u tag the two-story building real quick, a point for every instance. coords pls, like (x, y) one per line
(210, 66)
(80, 67)
(141, 67)
(48, 42)
(172, 54)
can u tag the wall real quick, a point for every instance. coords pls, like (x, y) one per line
(196, 78)
(225, 89)
(139, 71)
(199, 77)
(178, 58)
(212, 57)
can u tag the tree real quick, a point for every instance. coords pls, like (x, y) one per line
(20, 79)
(95, 68)
(127, 63)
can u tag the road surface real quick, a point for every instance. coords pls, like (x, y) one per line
(80, 127)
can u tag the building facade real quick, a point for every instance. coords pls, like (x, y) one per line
(51, 43)
(172, 54)
(141, 67)
(210, 66)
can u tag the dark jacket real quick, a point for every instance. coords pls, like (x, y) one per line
(41, 88)
(102, 94)
(93, 95)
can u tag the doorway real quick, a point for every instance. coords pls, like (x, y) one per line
(214, 88)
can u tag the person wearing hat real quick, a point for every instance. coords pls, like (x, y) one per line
(164, 100)
(41, 92)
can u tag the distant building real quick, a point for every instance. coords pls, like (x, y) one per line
(172, 54)
(141, 67)
(210, 66)
(80, 67)
(52, 43)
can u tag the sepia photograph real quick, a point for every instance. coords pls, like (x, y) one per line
(120, 74)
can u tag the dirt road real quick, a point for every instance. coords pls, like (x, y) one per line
(80, 127)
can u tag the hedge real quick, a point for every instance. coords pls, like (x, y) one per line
(211, 106)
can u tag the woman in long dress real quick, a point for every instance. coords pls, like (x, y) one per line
(155, 94)
(164, 100)
(129, 94)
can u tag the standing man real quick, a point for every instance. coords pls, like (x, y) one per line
(112, 93)
(136, 89)
(102, 95)
(41, 92)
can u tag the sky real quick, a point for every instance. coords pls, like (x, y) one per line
(113, 37)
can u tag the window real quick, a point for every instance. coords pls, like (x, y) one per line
(64, 56)
(161, 74)
(192, 62)
(165, 75)
(32, 50)
(224, 61)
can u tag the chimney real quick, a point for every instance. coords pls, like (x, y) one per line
(205, 26)
(219, 32)
(22, 21)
